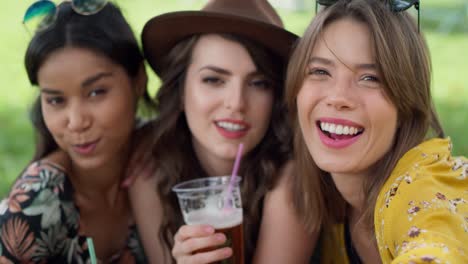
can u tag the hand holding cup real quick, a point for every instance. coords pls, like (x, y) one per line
(199, 244)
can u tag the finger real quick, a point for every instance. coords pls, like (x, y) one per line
(209, 257)
(189, 246)
(189, 231)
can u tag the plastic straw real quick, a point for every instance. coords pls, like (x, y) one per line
(92, 253)
(233, 176)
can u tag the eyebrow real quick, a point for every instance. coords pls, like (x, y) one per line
(369, 66)
(89, 81)
(320, 60)
(226, 72)
(215, 69)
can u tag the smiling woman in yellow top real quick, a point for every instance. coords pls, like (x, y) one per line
(369, 175)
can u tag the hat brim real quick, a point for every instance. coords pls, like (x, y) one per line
(162, 32)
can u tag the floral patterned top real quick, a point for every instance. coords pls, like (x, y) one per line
(39, 222)
(421, 213)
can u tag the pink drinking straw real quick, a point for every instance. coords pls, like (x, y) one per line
(233, 176)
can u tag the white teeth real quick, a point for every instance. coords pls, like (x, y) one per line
(339, 129)
(230, 126)
(346, 130)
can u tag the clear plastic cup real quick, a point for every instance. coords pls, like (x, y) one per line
(206, 201)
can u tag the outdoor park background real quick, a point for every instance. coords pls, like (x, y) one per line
(445, 24)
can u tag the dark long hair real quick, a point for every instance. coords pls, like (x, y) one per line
(106, 33)
(403, 59)
(178, 162)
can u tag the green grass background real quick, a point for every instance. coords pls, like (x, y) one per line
(448, 43)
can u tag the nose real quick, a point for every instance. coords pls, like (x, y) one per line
(342, 95)
(78, 118)
(235, 97)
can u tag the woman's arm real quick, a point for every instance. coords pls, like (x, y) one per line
(283, 238)
(148, 213)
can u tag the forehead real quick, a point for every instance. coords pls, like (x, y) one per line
(73, 62)
(220, 51)
(347, 40)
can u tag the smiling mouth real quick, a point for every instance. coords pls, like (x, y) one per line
(230, 126)
(339, 131)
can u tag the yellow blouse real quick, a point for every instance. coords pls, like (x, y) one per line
(421, 213)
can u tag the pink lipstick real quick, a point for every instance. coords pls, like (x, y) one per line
(86, 148)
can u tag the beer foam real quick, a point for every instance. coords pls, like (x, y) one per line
(219, 219)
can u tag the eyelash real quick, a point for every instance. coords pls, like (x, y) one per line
(261, 83)
(321, 72)
(317, 71)
(97, 92)
(213, 80)
(58, 100)
(373, 78)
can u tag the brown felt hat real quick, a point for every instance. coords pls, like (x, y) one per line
(253, 19)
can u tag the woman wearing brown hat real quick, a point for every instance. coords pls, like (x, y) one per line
(222, 74)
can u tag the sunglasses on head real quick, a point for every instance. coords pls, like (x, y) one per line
(43, 13)
(395, 5)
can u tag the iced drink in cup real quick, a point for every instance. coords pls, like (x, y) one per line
(206, 201)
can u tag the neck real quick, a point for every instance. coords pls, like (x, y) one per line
(101, 183)
(216, 167)
(350, 187)
(213, 166)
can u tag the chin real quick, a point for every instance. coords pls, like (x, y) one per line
(331, 167)
(88, 164)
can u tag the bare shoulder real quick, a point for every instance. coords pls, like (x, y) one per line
(283, 238)
(285, 175)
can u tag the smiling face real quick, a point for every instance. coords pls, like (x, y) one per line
(346, 119)
(226, 100)
(88, 105)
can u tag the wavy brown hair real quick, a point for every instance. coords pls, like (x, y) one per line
(174, 155)
(402, 57)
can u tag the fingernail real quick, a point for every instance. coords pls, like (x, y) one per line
(227, 252)
(209, 229)
(219, 237)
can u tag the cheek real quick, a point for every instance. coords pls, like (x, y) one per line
(385, 115)
(263, 106)
(198, 103)
(118, 114)
(304, 106)
(52, 120)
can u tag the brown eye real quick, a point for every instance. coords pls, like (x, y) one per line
(261, 83)
(55, 100)
(97, 92)
(213, 81)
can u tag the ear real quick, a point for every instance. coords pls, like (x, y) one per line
(141, 81)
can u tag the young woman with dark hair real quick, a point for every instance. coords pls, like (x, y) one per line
(90, 75)
(222, 74)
